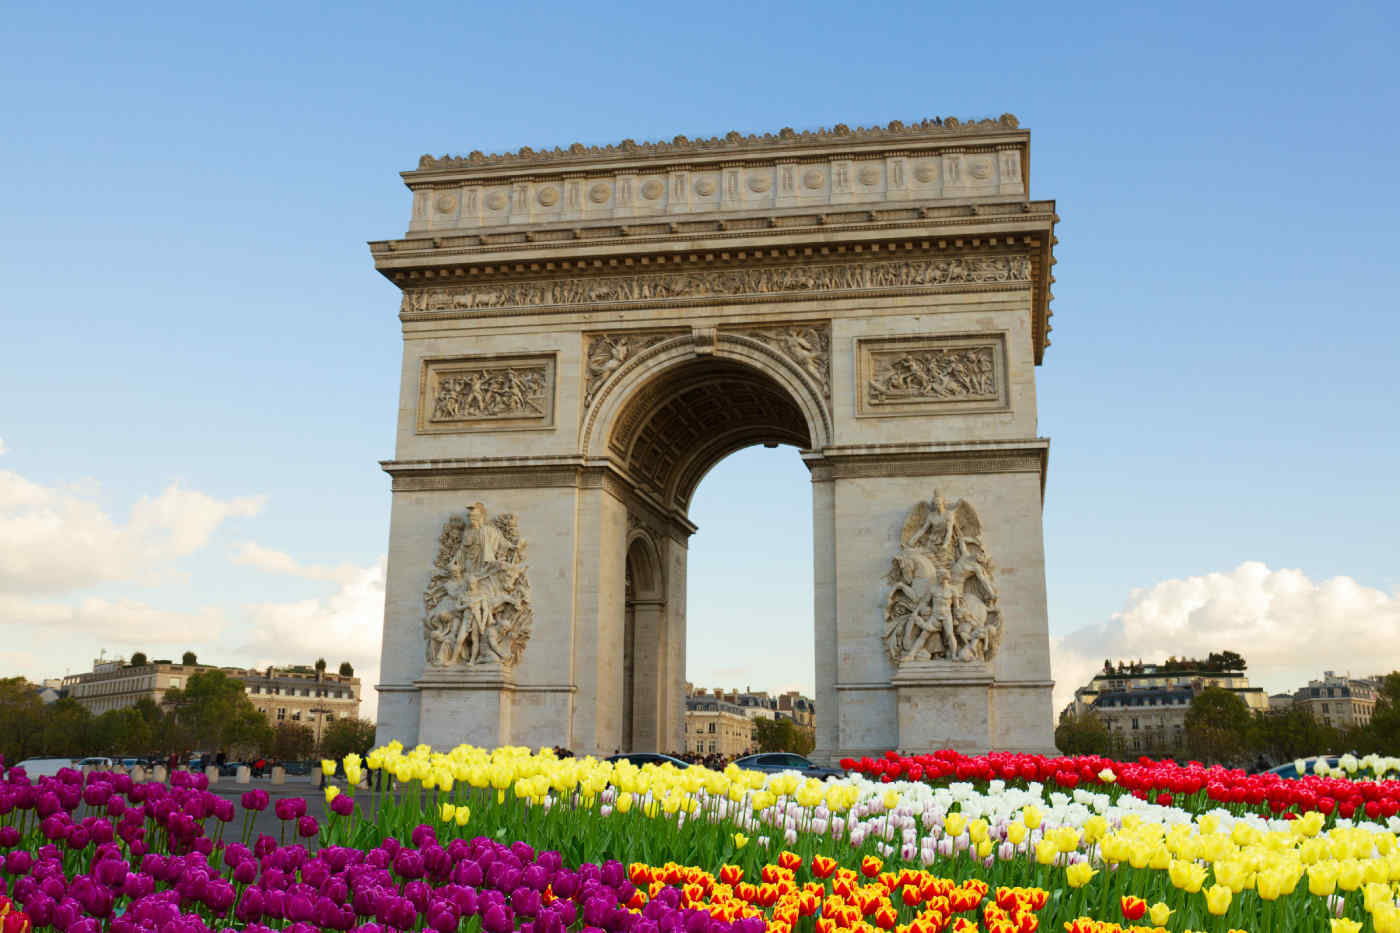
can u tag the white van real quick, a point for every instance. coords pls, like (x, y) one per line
(44, 767)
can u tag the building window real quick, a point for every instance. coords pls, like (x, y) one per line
(712, 730)
(1135, 725)
(281, 713)
(174, 681)
(296, 717)
(330, 717)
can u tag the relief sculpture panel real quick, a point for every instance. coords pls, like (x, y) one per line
(607, 353)
(942, 603)
(807, 345)
(477, 602)
(923, 375)
(486, 393)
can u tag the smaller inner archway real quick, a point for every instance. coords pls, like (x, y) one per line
(644, 648)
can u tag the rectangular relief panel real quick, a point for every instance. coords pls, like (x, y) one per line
(486, 393)
(931, 375)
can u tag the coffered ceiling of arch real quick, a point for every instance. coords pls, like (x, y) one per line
(673, 432)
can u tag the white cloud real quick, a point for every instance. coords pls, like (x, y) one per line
(46, 638)
(346, 626)
(2, 446)
(1288, 627)
(56, 540)
(253, 554)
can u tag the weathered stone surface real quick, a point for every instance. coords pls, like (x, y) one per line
(582, 374)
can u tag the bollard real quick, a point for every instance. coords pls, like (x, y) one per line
(318, 777)
(158, 773)
(279, 775)
(244, 775)
(138, 774)
(212, 773)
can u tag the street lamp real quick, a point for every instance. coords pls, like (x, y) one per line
(319, 712)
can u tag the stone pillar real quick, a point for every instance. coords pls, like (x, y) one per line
(158, 773)
(279, 775)
(212, 773)
(138, 774)
(470, 704)
(650, 676)
(318, 777)
(244, 775)
(824, 614)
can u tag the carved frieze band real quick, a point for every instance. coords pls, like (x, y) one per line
(476, 393)
(924, 375)
(1010, 270)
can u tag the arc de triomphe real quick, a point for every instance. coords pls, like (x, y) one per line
(587, 331)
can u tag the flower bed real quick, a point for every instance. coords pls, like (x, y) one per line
(1192, 785)
(506, 840)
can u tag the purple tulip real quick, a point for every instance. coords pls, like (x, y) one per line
(255, 799)
(250, 906)
(408, 864)
(307, 827)
(343, 805)
(498, 919)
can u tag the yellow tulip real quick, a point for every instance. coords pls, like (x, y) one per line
(1269, 885)
(1095, 828)
(1374, 894)
(1032, 816)
(1343, 925)
(1158, 914)
(328, 766)
(984, 848)
(1386, 919)
(891, 799)
(1350, 875)
(1218, 899)
(977, 830)
(1046, 851)
(1107, 776)
(1016, 833)
(1079, 874)
(448, 813)
(954, 824)
(1138, 855)
(462, 815)
(332, 792)
(1322, 878)
(1188, 876)
(740, 840)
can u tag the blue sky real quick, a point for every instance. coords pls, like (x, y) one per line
(188, 301)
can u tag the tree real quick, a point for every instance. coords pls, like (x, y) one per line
(215, 713)
(138, 659)
(1083, 735)
(21, 719)
(1217, 726)
(345, 736)
(291, 741)
(781, 735)
(189, 658)
(346, 670)
(1382, 733)
(1292, 733)
(67, 729)
(1224, 661)
(320, 665)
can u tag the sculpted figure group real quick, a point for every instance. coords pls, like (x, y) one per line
(943, 595)
(965, 372)
(490, 393)
(477, 604)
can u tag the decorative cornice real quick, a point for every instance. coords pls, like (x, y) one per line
(732, 142)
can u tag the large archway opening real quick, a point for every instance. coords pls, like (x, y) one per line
(672, 431)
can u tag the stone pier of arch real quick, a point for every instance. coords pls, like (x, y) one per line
(587, 332)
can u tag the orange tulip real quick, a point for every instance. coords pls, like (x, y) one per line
(1133, 908)
(870, 866)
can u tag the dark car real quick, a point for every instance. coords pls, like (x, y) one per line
(774, 762)
(648, 758)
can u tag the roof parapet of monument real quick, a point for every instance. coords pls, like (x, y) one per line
(735, 142)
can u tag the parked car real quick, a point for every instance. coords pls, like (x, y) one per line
(44, 767)
(301, 768)
(649, 758)
(775, 762)
(96, 763)
(1290, 769)
(230, 768)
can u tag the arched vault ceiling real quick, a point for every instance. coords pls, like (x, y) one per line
(675, 429)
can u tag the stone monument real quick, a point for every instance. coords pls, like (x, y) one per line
(587, 331)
